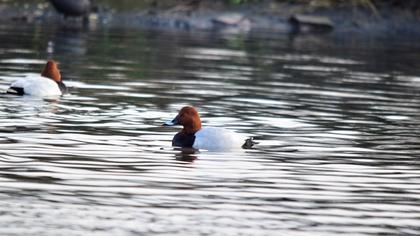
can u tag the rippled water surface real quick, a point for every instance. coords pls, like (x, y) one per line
(337, 121)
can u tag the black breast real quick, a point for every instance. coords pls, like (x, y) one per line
(62, 87)
(183, 140)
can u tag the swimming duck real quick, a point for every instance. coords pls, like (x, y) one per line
(208, 138)
(72, 7)
(49, 83)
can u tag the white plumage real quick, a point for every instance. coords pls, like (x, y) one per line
(218, 139)
(37, 85)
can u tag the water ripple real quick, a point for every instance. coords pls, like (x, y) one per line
(337, 152)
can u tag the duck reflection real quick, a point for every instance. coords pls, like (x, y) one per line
(186, 154)
(68, 42)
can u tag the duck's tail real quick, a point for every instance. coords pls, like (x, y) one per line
(15, 91)
(249, 143)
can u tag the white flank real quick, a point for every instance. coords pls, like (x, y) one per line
(38, 86)
(218, 139)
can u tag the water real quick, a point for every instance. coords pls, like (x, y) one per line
(337, 121)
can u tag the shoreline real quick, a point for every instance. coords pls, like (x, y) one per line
(344, 21)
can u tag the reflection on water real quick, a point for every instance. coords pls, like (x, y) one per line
(336, 121)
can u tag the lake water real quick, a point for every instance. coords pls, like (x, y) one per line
(337, 121)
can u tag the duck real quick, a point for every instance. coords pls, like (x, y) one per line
(193, 135)
(72, 7)
(49, 83)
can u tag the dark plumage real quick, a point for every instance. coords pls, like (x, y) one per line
(72, 7)
(16, 91)
(183, 140)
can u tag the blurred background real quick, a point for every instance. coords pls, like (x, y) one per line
(329, 89)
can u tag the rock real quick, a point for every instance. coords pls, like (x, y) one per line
(232, 20)
(310, 24)
(72, 7)
(229, 19)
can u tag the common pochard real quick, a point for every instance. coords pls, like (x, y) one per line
(49, 83)
(207, 138)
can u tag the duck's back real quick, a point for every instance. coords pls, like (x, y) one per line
(218, 139)
(37, 86)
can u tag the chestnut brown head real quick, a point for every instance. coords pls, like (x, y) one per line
(189, 118)
(51, 71)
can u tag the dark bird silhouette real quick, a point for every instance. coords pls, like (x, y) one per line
(72, 7)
